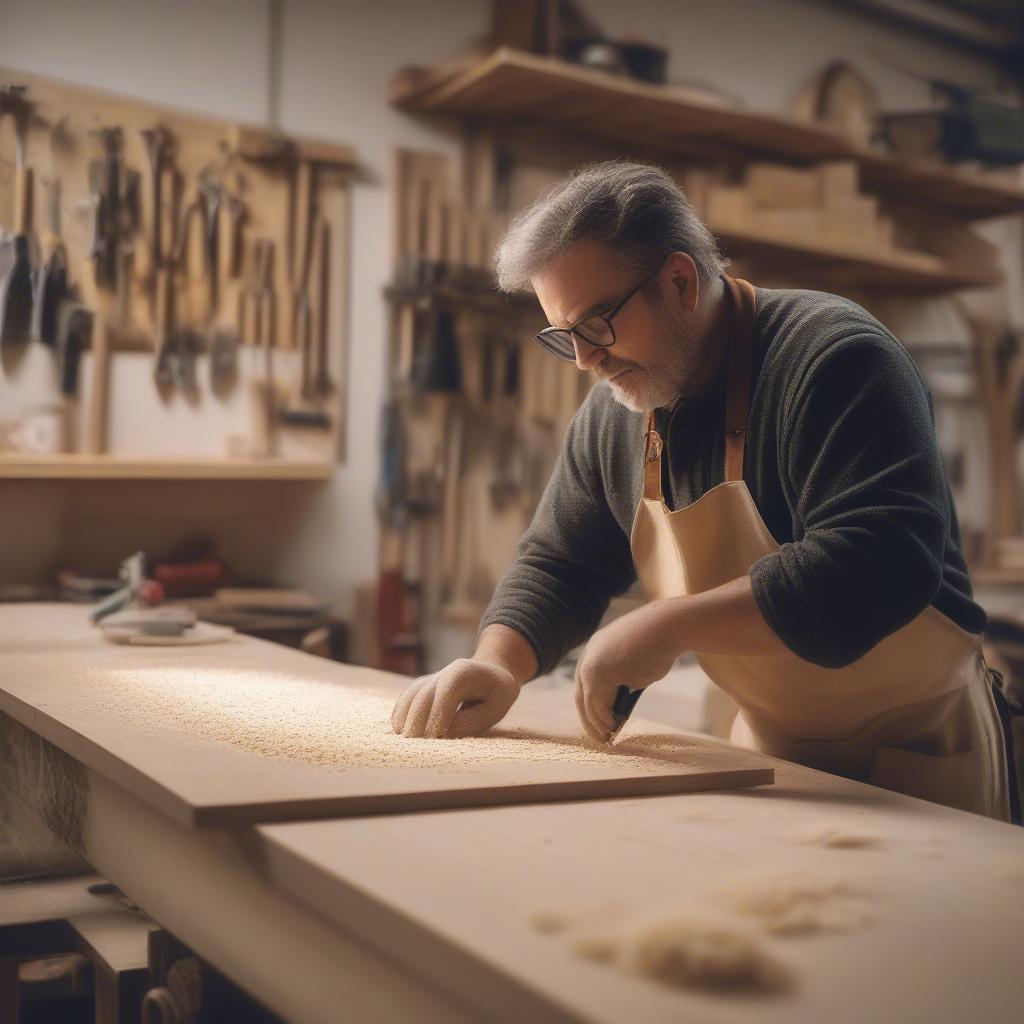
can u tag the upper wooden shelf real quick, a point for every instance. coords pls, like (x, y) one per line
(120, 467)
(898, 271)
(513, 84)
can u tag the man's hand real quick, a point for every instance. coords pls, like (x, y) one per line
(635, 651)
(463, 699)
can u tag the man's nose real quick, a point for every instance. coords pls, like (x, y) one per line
(587, 355)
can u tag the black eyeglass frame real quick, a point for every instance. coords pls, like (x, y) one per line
(550, 336)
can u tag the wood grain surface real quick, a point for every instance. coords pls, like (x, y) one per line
(249, 731)
(449, 895)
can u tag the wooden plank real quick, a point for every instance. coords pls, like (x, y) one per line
(510, 84)
(119, 467)
(900, 271)
(448, 895)
(252, 731)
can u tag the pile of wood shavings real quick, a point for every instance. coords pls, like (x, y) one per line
(683, 947)
(319, 722)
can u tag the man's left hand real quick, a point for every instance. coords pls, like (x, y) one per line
(635, 651)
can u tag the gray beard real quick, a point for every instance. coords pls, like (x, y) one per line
(659, 385)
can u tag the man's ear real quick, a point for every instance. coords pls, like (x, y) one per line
(684, 279)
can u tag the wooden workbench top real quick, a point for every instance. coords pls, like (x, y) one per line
(449, 894)
(246, 731)
(446, 896)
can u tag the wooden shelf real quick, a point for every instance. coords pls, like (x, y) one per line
(899, 271)
(121, 467)
(513, 85)
(997, 576)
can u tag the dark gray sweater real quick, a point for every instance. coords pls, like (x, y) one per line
(841, 461)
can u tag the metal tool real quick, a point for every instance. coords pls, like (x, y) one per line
(622, 708)
(163, 371)
(50, 279)
(322, 383)
(16, 286)
(136, 587)
(156, 148)
(74, 331)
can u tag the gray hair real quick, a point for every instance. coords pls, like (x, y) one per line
(637, 210)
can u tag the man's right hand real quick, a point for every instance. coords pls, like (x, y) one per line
(463, 699)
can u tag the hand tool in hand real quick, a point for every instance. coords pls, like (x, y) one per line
(622, 708)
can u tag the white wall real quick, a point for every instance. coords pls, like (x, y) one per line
(211, 56)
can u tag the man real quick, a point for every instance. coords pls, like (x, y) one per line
(765, 461)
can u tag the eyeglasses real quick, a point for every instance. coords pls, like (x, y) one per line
(596, 329)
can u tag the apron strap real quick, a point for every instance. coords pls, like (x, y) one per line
(737, 398)
(741, 357)
(653, 445)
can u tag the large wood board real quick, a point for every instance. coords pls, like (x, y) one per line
(450, 895)
(243, 732)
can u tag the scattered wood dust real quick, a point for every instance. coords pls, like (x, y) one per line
(838, 835)
(327, 723)
(681, 947)
(791, 903)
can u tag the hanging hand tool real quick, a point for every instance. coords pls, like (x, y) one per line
(303, 313)
(223, 359)
(322, 383)
(96, 426)
(74, 331)
(105, 183)
(266, 331)
(210, 191)
(249, 296)
(16, 286)
(267, 321)
(232, 213)
(163, 370)
(50, 280)
(149, 256)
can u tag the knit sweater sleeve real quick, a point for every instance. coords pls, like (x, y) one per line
(868, 496)
(574, 556)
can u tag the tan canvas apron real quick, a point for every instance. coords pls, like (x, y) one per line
(914, 714)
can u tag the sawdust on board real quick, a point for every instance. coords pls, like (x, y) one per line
(838, 835)
(320, 722)
(795, 903)
(682, 947)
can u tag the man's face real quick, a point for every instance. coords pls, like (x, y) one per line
(656, 350)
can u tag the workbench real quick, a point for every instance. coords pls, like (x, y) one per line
(425, 916)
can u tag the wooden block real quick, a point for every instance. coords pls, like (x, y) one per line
(798, 224)
(455, 234)
(253, 731)
(852, 222)
(885, 233)
(773, 185)
(280, 599)
(729, 206)
(696, 184)
(839, 181)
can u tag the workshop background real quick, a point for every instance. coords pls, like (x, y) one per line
(354, 500)
(255, 372)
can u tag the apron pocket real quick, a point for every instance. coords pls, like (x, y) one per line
(966, 781)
